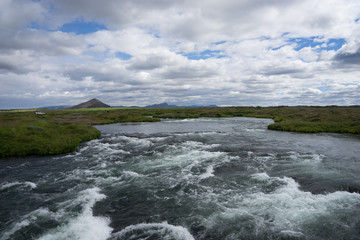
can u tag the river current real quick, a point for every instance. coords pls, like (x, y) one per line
(206, 178)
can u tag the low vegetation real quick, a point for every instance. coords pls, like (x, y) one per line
(59, 131)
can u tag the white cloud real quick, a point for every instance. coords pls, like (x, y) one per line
(260, 65)
(16, 14)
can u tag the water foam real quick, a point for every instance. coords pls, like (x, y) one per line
(150, 230)
(209, 173)
(131, 174)
(21, 184)
(254, 130)
(195, 160)
(260, 177)
(286, 210)
(28, 219)
(85, 226)
(134, 141)
(110, 149)
(17, 226)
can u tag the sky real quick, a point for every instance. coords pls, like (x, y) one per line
(184, 52)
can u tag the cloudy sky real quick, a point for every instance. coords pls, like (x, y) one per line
(184, 52)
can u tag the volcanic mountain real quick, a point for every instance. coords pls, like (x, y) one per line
(93, 103)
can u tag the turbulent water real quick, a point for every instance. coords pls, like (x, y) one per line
(227, 178)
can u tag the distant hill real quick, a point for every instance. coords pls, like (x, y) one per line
(199, 106)
(93, 103)
(56, 107)
(165, 105)
(162, 105)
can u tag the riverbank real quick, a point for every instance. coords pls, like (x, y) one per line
(25, 133)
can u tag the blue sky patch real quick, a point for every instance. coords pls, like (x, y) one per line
(204, 54)
(80, 27)
(325, 89)
(316, 42)
(123, 56)
(349, 84)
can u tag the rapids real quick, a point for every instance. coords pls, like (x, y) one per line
(206, 178)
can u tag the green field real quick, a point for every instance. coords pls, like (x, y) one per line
(23, 133)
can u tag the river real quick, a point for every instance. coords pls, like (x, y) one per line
(205, 178)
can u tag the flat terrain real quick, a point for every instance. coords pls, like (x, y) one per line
(23, 133)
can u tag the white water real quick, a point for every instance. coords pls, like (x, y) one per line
(232, 184)
(85, 225)
(160, 230)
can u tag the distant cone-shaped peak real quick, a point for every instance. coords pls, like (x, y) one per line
(93, 103)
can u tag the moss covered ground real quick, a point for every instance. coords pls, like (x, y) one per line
(24, 133)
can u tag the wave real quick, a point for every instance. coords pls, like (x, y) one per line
(208, 173)
(131, 174)
(284, 210)
(31, 185)
(134, 141)
(85, 226)
(153, 231)
(29, 219)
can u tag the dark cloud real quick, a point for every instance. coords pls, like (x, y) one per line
(148, 63)
(348, 58)
(188, 73)
(5, 66)
(113, 13)
(280, 71)
(45, 43)
(15, 15)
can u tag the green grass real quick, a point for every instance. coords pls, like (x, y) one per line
(23, 133)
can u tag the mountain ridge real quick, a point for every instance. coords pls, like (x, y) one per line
(95, 103)
(166, 105)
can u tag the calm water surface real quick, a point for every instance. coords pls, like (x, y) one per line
(207, 178)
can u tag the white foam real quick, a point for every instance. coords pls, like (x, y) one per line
(22, 184)
(18, 166)
(189, 120)
(77, 152)
(110, 149)
(31, 184)
(197, 145)
(84, 226)
(138, 142)
(201, 134)
(209, 173)
(191, 158)
(254, 130)
(181, 120)
(165, 230)
(27, 219)
(289, 233)
(313, 159)
(131, 174)
(8, 185)
(260, 177)
(15, 228)
(286, 209)
(191, 161)
(158, 139)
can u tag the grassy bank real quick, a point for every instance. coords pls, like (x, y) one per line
(23, 134)
(59, 131)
